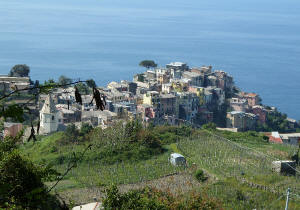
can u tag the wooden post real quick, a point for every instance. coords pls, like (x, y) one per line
(287, 199)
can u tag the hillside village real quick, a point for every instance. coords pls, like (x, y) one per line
(163, 109)
(174, 95)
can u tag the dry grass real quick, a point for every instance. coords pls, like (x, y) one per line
(176, 184)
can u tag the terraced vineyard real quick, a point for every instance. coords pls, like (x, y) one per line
(94, 174)
(225, 158)
(238, 168)
(240, 164)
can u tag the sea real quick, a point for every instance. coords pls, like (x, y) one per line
(256, 41)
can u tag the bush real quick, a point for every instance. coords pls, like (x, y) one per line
(170, 134)
(240, 195)
(73, 135)
(200, 176)
(151, 198)
(85, 129)
(202, 201)
(209, 126)
(150, 140)
(21, 182)
(134, 199)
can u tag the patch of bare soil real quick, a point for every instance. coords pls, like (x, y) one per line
(175, 184)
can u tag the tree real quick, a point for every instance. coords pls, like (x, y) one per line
(91, 83)
(21, 182)
(20, 70)
(132, 130)
(63, 80)
(148, 63)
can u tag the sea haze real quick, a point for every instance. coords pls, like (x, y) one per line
(256, 41)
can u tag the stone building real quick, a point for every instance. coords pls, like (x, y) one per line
(238, 104)
(196, 79)
(187, 105)
(241, 120)
(178, 66)
(252, 98)
(260, 112)
(49, 116)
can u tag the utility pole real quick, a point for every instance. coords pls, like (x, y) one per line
(287, 199)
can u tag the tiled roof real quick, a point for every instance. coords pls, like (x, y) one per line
(274, 137)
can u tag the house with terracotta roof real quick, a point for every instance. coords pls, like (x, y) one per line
(252, 98)
(284, 138)
(274, 137)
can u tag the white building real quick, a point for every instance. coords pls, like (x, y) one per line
(49, 116)
(177, 159)
(177, 66)
(290, 138)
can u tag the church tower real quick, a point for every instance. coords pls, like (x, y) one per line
(49, 116)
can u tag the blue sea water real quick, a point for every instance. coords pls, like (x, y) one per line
(256, 41)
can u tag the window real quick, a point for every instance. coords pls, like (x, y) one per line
(52, 117)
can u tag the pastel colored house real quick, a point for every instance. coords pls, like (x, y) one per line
(252, 98)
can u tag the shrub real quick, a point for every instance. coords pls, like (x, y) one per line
(209, 126)
(240, 195)
(150, 140)
(200, 176)
(21, 182)
(85, 129)
(151, 198)
(53, 149)
(134, 199)
(202, 201)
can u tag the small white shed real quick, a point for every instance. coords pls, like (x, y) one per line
(286, 167)
(177, 159)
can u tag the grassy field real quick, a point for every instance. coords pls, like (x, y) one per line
(91, 172)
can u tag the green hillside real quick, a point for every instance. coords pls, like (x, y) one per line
(237, 165)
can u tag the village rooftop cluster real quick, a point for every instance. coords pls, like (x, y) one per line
(173, 95)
